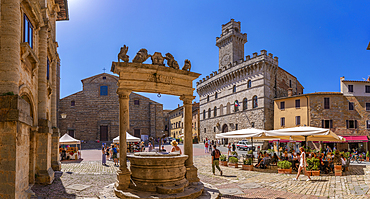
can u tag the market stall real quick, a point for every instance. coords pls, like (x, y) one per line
(129, 138)
(68, 147)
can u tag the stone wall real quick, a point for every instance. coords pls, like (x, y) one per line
(339, 112)
(93, 110)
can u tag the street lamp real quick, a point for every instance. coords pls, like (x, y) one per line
(64, 115)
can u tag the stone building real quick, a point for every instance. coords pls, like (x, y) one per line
(93, 113)
(29, 90)
(195, 122)
(177, 121)
(346, 113)
(240, 94)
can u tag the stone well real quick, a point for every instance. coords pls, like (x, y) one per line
(163, 173)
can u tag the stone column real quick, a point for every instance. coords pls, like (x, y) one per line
(55, 160)
(191, 170)
(123, 175)
(10, 31)
(44, 172)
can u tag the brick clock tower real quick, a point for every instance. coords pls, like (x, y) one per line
(231, 43)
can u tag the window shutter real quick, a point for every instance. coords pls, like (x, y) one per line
(322, 124)
(347, 124)
(355, 124)
(331, 123)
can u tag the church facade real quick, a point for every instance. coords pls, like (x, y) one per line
(240, 94)
(93, 114)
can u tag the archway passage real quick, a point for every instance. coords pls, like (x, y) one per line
(152, 78)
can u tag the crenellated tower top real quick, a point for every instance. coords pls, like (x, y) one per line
(231, 43)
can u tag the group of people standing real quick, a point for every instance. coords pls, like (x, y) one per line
(110, 152)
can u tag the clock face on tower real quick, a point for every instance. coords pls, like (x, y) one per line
(225, 60)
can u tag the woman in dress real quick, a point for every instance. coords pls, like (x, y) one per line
(175, 148)
(302, 164)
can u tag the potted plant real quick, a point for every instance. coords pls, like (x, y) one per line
(361, 157)
(337, 164)
(247, 164)
(367, 156)
(233, 162)
(284, 167)
(313, 167)
(223, 160)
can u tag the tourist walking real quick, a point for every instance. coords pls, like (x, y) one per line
(150, 147)
(103, 158)
(228, 149)
(175, 148)
(234, 148)
(302, 164)
(215, 159)
(114, 156)
(206, 147)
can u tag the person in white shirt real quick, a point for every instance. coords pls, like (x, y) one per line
(302, 164)
(343, 162)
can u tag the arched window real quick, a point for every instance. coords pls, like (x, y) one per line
(216, 95)
(236, 106)
(249, 84)
(204, 114)
(221, 109)
(209, 113)
(255, 102)
(234, 88)
(252, 124)
(228, 108)
(245, 104)
(215, 112)
(208, 98)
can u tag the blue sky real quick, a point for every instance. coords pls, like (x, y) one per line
(316, 41)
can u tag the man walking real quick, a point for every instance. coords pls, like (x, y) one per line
(215, 159)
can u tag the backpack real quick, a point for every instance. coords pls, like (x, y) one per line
(217, 153)
(114, 150)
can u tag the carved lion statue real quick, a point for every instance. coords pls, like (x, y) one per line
(122, 54)
(187, 65)
(141, 56)
(171, 62)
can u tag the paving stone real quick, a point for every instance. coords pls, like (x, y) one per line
(234, 191)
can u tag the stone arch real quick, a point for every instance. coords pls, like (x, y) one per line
(234, 89)
(204, 114)
(26, 94)
(221, 109)
(225, 128)
(215, 111)
(209, 113)
(249, 84)
(228, 108)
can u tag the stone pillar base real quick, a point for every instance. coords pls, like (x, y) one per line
(123, 180)
(192, 174)
(56, 166)
(45, 177)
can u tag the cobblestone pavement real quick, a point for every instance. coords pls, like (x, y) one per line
(237, 183)
(90, 179)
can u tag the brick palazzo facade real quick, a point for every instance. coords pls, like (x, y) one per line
(93, 113)
(346, 113)
(251, 82)
(29, 89)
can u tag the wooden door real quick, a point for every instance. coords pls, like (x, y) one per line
(103, 133)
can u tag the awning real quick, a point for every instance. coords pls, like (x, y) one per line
(359, 138)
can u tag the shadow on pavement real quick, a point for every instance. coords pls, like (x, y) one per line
(54, 190)
(71, 161)
(228, 176)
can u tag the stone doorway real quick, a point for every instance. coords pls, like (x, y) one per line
(103, 133)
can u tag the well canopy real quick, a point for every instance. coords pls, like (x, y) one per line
(129, 138)
(67, 139)
(305, 133)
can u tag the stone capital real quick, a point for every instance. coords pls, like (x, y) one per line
(123, 93)
(187, 99)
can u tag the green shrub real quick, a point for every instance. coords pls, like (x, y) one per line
(233, 160)
(223, 158)
(367, 154)
(284, 164)
(313, 164)
(8, 93)
(248, 161)
(234, 153)
(250, 152)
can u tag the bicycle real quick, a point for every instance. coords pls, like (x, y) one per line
(354, 158)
